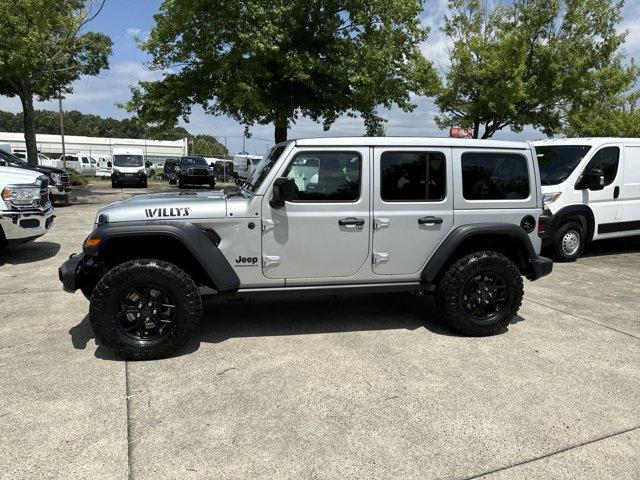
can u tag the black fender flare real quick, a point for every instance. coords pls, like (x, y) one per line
(192, 237)
(558, 218)
(448, 246)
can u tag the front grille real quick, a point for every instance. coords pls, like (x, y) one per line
(64, 179)
(199, 171)
(44, 192)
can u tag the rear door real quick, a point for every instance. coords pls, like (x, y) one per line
(412, 205)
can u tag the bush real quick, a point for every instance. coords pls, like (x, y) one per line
(76, 179)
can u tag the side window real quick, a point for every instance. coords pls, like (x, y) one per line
(606, 159)
(494, 176)
(85, 160)
(412, 176)
(326, 176)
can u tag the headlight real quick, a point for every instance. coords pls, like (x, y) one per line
(21, 196)
(176, 168)
(55, 179)
(550, 197)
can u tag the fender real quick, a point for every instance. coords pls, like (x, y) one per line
(464, 232)
(571, 211)
(194, 239)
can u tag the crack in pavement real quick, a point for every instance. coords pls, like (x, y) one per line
(551, 454)
(127, 393)
(582, 318)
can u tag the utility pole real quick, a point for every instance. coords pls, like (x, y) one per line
(64, 152)
(244, 139)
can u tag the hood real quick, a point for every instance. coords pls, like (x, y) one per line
(45, 169)
(11, 175)
(168, 206)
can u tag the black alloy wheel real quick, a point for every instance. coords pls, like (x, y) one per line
(145, 312)
(484, 296)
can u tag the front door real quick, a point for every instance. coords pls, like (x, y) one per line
(605, 203)
(413, 207)
(324, 232)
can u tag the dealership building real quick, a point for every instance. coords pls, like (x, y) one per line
(51, 145)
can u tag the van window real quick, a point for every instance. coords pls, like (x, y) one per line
(326, 176)
(605, 159)
(494, 176)
(412, 176)
(85, 160)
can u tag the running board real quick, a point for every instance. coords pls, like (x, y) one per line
(318, 290)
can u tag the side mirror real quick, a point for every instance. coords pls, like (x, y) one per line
(147, 164)
(109, 164)
(284, 190)
(591, 180)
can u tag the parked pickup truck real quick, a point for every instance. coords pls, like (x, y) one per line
(25, 209)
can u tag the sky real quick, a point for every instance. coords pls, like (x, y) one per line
(124, 20)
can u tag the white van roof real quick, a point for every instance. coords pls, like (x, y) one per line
(408, 142)
(126, 151)
(591, 141)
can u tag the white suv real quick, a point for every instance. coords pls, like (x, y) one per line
(456, 218)
(25, 210)
(591, 191)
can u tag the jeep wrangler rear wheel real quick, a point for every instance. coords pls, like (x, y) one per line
(480, 293)
(145, 309)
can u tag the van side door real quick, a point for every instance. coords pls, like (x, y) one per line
(412, 207)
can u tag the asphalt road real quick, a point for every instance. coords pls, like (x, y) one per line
(362, 387)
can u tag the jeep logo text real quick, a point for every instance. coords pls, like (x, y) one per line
(246, 261)
(166, 212)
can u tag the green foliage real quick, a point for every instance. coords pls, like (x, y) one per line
(529, 63)
(77, 179)
(272, 61)
(207, 146)
(44, 47)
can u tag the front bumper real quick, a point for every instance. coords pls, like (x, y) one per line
(59, 192)
(197, 179)
(541, 267)
(24, 226)
(69, 271)
(129, 178)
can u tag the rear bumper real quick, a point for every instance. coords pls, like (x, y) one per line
(541, 267)
(68, 272)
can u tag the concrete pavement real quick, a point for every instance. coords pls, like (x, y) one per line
(361, 387)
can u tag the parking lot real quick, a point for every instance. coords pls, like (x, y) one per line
(360, 387)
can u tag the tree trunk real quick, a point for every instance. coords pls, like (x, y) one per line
(26, 97)
(282, 125)
(476, 127)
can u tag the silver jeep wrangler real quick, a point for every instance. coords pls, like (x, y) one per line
(457, 218)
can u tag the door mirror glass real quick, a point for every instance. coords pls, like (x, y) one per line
(109, 164)
(592, 180)
(284, 190)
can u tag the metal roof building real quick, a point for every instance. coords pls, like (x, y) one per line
(51, 145)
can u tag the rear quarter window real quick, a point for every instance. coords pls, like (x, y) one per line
(495, 176)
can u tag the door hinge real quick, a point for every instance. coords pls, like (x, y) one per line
(269, 225)
(268, 260)
(379, 223)
(379, 258)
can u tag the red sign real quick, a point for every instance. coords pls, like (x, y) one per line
(458, 132)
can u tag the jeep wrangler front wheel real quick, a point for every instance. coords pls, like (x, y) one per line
(145, 309)
(480, 293)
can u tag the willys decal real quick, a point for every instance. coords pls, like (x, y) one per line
(166, 212)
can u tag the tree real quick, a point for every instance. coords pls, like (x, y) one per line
(43, 49)
(529, 63)
(273, 61)
(208, 146)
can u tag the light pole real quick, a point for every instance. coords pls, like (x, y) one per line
(64, 152)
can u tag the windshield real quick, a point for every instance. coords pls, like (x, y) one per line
(263, 168)
(127, 160)
(193, 161)
(557, 162)
(11, 158)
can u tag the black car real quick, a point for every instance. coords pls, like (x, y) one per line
(59, 185)
(193, 170)
(169, 170)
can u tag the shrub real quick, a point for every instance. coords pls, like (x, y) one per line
(76, 179)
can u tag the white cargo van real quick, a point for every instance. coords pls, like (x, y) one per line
(591, 191)
(129, 167)
(243, 165)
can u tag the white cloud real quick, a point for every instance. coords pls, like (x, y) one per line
(133, 32)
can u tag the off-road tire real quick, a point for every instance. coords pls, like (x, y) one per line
(560, 252)
(166, 275)
(115, 184)
(179, 183)
(449, 292)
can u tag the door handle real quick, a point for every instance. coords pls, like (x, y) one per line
(351, 222)
(616, 192)
(430, 221)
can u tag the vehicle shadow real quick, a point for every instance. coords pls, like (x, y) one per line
(223, 320)
(612, 246)
(29, 252)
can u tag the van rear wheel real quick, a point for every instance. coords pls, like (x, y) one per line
(480, 294)
(568, 242)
